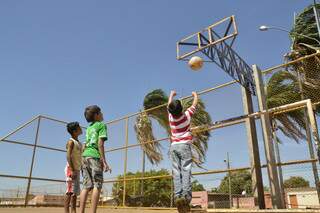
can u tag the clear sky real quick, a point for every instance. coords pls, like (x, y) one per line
(60, 56)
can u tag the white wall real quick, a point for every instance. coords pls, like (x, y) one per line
(305, 199)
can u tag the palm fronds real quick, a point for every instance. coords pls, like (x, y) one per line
(144, 131)
(283, 88)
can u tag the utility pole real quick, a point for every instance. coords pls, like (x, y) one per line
(229, 179)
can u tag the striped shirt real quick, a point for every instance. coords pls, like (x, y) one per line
(180, 127)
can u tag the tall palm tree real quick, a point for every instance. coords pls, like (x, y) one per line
(144, 130)
(308, 70)
(300, 80)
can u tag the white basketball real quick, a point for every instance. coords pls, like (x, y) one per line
(195, 63)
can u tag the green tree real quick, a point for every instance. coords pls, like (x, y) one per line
(157, 192)
(240, 181)
(296, 182)
(215, 190)
(196, 186)
(144, 130)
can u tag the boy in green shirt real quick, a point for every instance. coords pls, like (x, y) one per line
(93, 157)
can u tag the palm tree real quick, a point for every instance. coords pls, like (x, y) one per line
(307, 70)
(282, 89)
(300, 80)
(144, 131)
(305, 24)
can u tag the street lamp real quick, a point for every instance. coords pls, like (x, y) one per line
(227, 161)
(266, 28)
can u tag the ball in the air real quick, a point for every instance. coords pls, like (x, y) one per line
(195, 63)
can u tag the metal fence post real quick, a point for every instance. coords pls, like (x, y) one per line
(313, 124)
(32, 161)
(125, 162)
(278, 158)
(309, 138)
(229, 181)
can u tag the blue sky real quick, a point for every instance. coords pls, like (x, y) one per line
(60, 56)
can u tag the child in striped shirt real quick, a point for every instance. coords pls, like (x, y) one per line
(180, 150)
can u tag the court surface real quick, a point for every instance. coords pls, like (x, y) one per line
(58, 210)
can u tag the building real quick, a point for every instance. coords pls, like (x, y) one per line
(302, 198)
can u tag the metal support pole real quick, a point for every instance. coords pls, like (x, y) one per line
(309, 138)
(278, 158)
(19, 128)
(125, 162)
(143, 171)
(32, 162)
(313, 124)
(257, 181)
(171, 194)
(315, 135)
(229, 180)
(268, 143)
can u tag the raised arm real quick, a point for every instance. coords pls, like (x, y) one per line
(172, 94)
(195, 99)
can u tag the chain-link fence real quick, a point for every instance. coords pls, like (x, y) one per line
(258, 152)
(295, 81)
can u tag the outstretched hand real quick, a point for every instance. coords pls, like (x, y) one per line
(194, 94)
(106, 167)
(173, 93)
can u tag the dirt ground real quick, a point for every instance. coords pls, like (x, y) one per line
(100, 210)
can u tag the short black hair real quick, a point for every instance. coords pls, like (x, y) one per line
(175, 108)
(90, 111)
(72, 127)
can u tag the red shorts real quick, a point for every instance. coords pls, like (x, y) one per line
(73, 185)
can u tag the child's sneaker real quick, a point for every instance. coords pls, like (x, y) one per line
(180, 203)
(185, 206)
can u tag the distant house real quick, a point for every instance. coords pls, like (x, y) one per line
(214, 200)
(302, 198)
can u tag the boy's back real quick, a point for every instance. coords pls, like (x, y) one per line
(94, 132)
(180, 150)
(180, 126)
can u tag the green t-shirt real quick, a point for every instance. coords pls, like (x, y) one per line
(94, 132)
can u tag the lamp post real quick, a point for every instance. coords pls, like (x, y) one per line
(266, 28)
(227, 161)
